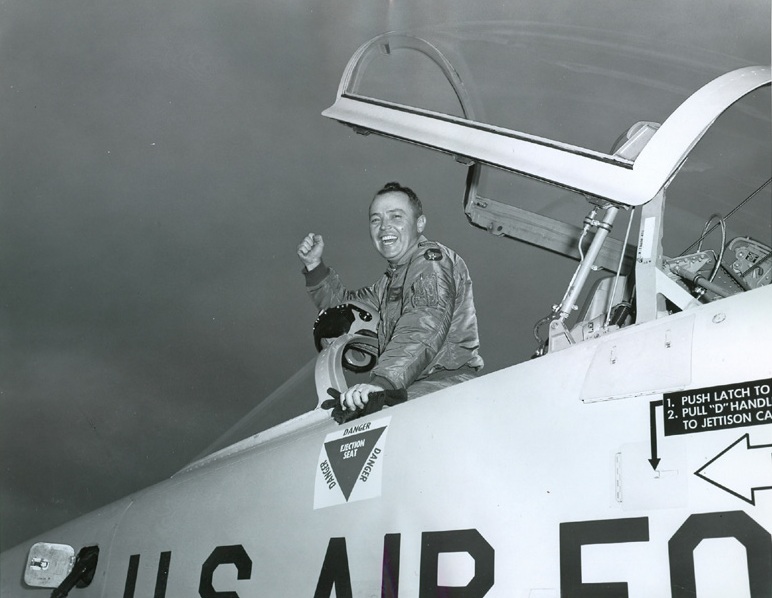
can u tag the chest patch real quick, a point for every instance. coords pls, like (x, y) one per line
(425, 291)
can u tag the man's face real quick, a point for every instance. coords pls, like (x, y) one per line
(394, 227)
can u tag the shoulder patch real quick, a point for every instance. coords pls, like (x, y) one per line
(433, 254)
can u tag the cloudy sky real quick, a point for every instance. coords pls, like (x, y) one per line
(160, 162)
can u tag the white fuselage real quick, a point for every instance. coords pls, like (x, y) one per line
(496, 483)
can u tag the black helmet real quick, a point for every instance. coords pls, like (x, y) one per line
(355, 318)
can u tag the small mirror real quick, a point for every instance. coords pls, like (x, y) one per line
(48, 564)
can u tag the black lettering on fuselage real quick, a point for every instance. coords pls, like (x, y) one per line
(131, 576)
(575, 534)
(162, 576)
(334, 571)
(235, 555)
(390, 568)
(734, 524)
(462, 540)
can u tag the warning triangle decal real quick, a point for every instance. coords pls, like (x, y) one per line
(348, 455)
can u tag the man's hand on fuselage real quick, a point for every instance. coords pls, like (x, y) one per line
(357, 396)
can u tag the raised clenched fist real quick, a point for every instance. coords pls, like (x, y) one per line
(310, 250)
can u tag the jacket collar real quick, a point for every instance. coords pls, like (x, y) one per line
(407, 258)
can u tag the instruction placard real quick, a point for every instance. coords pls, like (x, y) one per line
(718, 407)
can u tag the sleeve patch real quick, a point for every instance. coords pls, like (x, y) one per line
(425, 293)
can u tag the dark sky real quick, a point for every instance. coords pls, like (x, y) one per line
(160, 162)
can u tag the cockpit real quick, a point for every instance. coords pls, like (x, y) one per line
(659, 211)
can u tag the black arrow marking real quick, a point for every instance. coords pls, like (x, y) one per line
(653, 432)
(753, 474)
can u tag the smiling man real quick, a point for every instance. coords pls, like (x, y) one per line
(427, 334)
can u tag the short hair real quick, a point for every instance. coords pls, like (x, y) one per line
(415, 203)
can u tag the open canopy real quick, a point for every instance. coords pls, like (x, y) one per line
(629, 178)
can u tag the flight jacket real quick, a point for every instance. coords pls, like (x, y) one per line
(427, 315)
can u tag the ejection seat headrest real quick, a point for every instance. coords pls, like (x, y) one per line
(354, 317)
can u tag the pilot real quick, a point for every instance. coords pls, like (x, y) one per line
(427, 333)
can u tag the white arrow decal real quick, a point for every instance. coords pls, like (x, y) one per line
(740, 469)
